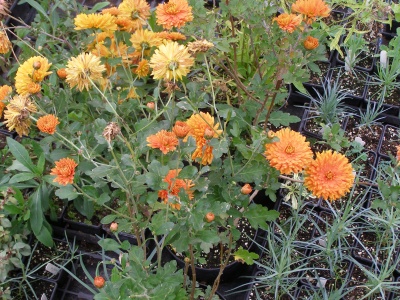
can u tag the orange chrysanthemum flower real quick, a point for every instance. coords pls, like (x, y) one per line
(143, 68)
(329, 176)
(64, 170)
(311, 9)
(47, 124)
(134, 12)
(2, 106)
(104, 22)
(398, 155)
(163, 140)
(111, 10)
(175, 185)
(181, 129)
(201, 125)
(288, 22)
(290, 154)
(175, 13)
(5, 91)
(310, 43)
(172, 36)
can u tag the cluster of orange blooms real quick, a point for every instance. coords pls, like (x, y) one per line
(308, 11)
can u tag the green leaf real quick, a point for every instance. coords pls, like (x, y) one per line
(40, 164)
(259, 215)
(108, 219)
(158, 225)
(21, 177)
(278, 118)
(187, 172)
(99, 6)
(45, 237)
(36, 212)
(104, 198)
(245, 256)
(109, 244)
(66, 192)
(37, 7)
(21, 154)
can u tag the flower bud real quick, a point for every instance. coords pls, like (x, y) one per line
(310, 43)
(114, 226)
(151, 105)
(99, 282)
(246, 189)
(210, 217)
(181, 129)
(61, 73)
(208, 134)
(186, 260)
(37, 64)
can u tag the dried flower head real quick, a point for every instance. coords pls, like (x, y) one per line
(64, 171)
(164, 140)
(175, 185)
(61, 73)
(47, 124)
(311, 9)
(175, 13)
(170, 87)
(111, 131)
(83, 69)
(288, 22)
(17, 114)
(134, 12)
(181, 129)
(29, 75)
(329, 176)
(5, 44)
(200, 46)
(310, 43)
(4, 9)
(171, 61)
(290, 154)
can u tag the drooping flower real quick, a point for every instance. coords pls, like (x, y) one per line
(174, 13)
(82, 69)
(104, 22)
(30, 74)
(134, 12)
(310, 43)
(175, 185)
(64, 171)
(171, 61)
(181, 129)
(111, 131)
(47, 124)
(200, 124)
(5, 44)
(143, 68)
(288, 22)
(164, 140)
(329, 176)
(172, 36)
(199, 46)
(17, 114)
(290, 154)
(311, 9)
(143, 40)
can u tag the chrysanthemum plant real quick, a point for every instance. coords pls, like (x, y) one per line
(132, 116)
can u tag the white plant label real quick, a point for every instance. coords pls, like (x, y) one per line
(52, 269)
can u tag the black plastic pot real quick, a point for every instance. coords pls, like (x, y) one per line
(42, 289)
(389, 141)
(80, 226)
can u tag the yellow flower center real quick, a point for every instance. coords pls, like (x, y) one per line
(145, 45)
(289, 149)
(171, 9)
(329, 175)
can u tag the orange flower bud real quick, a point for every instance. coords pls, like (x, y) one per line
(99, 282)
(37, 65)
(246, 189)
(61, 73)
(210, 217)
(114, 226)
(181, 129)
(151, 105)
(310, 43)
(208, 134)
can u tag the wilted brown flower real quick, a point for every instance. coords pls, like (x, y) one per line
(111, 131)
(199, 46)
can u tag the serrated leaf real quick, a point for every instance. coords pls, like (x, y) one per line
(187, 172)
(259, 215)
(245, 256)
(278, 118)
(109, 244)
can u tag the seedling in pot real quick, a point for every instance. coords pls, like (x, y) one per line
(354, 46)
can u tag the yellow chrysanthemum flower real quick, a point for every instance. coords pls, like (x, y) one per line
(104, 22)
(17, 114)
(171, 61)
(108, 48)
(172, 36)
(143, 40)
(143, 68)
(5, 44)
(83, 69)
(136, 12)
(329, 176)
(30, 74)
(290, 154)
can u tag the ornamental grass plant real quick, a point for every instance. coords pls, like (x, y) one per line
(168, 118)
